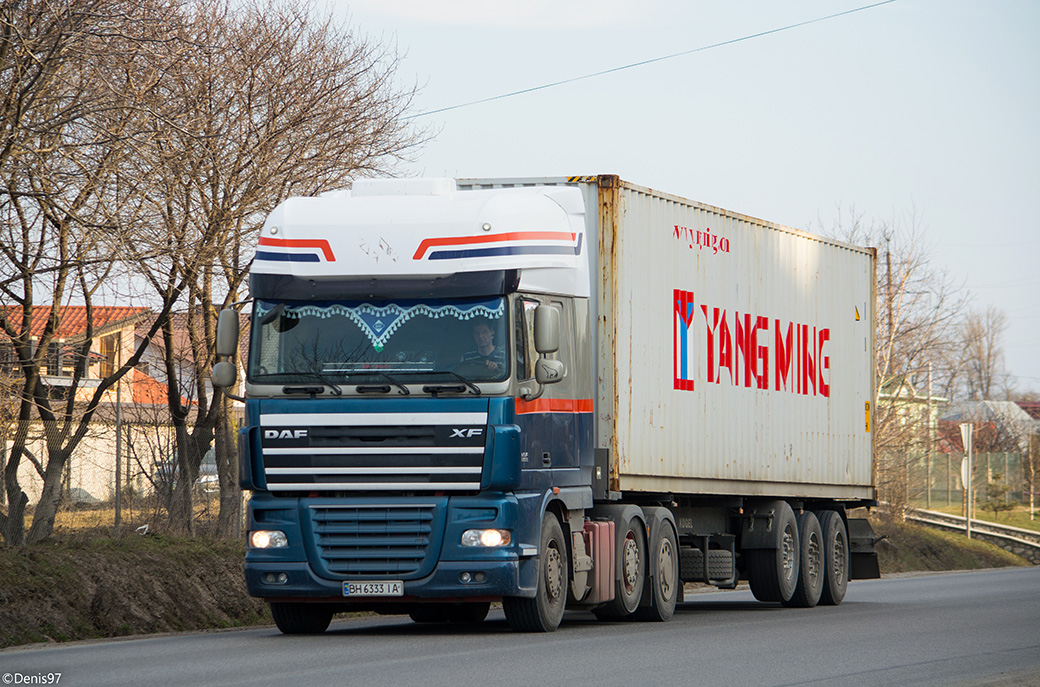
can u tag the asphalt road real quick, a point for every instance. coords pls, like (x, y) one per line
(980, 628)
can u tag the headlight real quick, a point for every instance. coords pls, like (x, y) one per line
(268, 539)
(486, 538)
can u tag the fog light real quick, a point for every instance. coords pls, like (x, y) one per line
(488, 538)
(268, 539)
(275, 578)
(466, 577)
(479, 578)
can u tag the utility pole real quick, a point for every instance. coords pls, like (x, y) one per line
(966, 473)
(931, 442)
(119, 452)
(1032, 474)
(888, 288)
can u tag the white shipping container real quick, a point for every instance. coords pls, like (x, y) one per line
(735, 355)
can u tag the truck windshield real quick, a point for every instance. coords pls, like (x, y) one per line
(365, 342)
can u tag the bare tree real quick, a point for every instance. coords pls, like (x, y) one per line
(155, 136)
(273, 100)
(982, 334)
(62, 137)
(918, 309)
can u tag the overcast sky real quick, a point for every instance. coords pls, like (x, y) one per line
(916, 106)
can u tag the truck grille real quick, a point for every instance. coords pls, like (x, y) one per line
(373, 540)
(384, 452)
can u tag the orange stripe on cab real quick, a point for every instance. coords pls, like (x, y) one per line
(554, 405)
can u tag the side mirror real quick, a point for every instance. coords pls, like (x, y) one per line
(546, 329)
(546, 340)
(224, 375)
(227, 334)
(548, 371)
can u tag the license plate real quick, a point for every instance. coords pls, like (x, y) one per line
(381, 588)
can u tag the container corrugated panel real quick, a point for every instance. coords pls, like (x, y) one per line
(741, 352)
(678, 422)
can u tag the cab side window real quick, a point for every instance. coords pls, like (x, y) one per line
(524, 331)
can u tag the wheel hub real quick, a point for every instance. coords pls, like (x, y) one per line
(553, 573)
(813, 564)
(666, 568)
(839, 559)
(631, 562)
(788, 552)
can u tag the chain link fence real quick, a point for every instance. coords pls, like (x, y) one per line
(1000, 481)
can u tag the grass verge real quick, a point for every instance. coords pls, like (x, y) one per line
(913, 548)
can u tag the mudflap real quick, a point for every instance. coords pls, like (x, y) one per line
(864, 561)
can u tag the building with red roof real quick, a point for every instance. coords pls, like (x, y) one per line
(112, 342)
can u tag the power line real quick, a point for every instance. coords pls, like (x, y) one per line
(646, 62)
(1016, 283)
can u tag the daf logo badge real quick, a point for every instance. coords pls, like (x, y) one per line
(285, 434)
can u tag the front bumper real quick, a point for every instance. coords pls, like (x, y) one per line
(503, 578)
(309, 574)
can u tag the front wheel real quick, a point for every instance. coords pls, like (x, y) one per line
(544, 612)
(301, 618)
(450, 613)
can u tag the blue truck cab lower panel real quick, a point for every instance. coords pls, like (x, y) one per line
(350, 533)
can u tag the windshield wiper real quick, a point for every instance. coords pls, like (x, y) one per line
(336, 390)
(403, 389)
(439, 388)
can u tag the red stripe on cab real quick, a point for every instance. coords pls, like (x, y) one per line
(492, 238)
(326, 249)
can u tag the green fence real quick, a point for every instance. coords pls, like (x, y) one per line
(935, 481)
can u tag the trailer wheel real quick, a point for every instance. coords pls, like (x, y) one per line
(773, 572)
(301, 618)
(544, 612)
(631, 569)
(664, 575)
(835, 557)
(811, 568)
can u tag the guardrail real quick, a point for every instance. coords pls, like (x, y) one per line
(1024, 543)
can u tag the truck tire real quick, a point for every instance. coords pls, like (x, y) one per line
(428, 613)
(811, 567)
(301, 618)
(450, 613)
(773, 572)
(544, 612)
(630, 572)
(468, 613)
(835, 557)
(664, 582)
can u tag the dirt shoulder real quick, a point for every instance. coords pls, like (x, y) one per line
(62, 591)
(72, 589)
